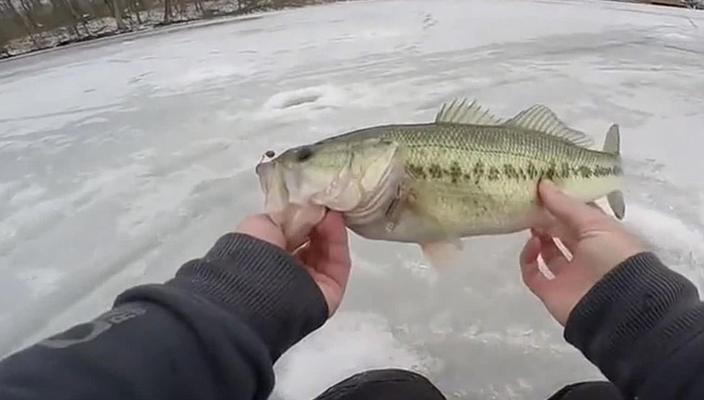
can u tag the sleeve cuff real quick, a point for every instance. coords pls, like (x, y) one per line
(260, 283)
(634, 316)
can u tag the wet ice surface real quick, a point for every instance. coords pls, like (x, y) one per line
(121, 159)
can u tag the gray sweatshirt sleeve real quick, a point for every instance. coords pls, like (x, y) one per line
(643, 325)
(212, 332)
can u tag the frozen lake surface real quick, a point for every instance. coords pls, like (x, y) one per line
(122, 159)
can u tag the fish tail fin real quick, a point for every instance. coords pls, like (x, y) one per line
(612, 143)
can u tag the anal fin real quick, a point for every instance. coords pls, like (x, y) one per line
(617, 204)
(441, 254)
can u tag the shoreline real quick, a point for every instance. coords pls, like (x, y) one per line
(160, 28)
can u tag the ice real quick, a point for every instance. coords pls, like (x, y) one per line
(368, 344)
(123, 158)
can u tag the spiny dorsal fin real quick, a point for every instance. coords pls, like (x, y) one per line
(542, 119)
(458, 111)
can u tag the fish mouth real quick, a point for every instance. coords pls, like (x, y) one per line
(273, 186)
(265, 172)
(295, 220)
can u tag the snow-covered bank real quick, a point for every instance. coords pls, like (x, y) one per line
(91, 28)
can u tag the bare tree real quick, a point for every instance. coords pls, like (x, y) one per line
(29, 26)
(28, 15)
(117, 14)
(167, 11)
(133, 6)
(70, 14)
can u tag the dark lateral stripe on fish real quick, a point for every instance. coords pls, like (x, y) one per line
(455, 174)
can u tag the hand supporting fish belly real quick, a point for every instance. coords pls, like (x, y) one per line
(467, 173)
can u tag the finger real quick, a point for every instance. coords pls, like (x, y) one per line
(572, 212)
(330, 242)
(331, 229)
(528, 261)
(559, 230)
(301, 250)
(546, 223)
(552, 256)
(553, 246)
(548, 249)
(564, 249)
(300, 221)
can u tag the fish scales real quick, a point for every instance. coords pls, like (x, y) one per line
(488, 175)
(467, 173)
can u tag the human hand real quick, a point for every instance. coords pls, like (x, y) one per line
(326, 257)
(597, 244)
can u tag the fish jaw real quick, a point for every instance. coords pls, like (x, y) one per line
(357, 179)
(276, 196)
(296, 220)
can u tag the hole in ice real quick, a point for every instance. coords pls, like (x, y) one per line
(297, 101)
(298, 97)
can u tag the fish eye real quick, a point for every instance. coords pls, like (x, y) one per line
(304, 153)
(270, 154)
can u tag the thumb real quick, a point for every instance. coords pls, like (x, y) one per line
(573, 213)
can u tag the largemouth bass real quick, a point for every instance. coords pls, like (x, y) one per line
(467, 173)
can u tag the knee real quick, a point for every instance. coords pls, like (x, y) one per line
(588, 391)
(391, 375)
(384, 384)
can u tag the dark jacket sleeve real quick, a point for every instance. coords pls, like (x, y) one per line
(643, 326)
(212, 332)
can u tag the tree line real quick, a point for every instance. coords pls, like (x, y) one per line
(27, 25)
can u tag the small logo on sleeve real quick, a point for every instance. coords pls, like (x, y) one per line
(90, 330)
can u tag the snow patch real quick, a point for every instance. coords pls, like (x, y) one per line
(92, 120)
(31, 193)
(30, 221)
(167, 84)
(321, 96)
(665, 230)
(349, 343)
(8, 189)
(310, 102)
(680, 244)
(163, 199)
(41, 281)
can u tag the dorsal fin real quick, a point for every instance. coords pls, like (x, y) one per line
(542, 119)
(458, 111)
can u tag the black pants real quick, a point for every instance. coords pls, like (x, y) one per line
(395, 384)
